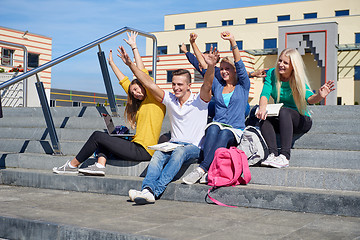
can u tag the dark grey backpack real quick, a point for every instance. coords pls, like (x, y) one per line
(253, 145)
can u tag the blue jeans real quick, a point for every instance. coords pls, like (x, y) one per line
(164, 166)
(214, 139)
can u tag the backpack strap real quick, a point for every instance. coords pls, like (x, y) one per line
(216, 201)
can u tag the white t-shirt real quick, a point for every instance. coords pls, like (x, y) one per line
(188, 121)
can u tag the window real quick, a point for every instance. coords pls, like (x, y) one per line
(33, 60)
(180, 27)
(52, 103)
(76, 104)
(187, 48)
(310, 15)
(283, 18)
(151, 73)
(7, 57)
(342, 13)
(251, 20)
(270, 43)
(162, 50)
(357, 73)
(227, 23)
(357, 38)
(208, 45)
(169, 76)
(201, 25)
(239, 44)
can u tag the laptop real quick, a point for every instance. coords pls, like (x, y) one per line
(111, 128)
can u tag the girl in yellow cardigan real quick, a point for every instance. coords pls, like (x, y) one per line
(142, 111)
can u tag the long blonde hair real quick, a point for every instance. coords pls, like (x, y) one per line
(297, 81)
(132, 105)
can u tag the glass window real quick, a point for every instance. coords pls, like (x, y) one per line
(283, 18)
(239, 44)
(150, 73)
(251, 20)
(52, 103)
(76, 104)
(201, 25)
(162, 50)
(270, 43)
(310, 15)
(187, 48)
(7, 57)
(208, 45)
(357, 38)
(33, 60)
(227, 22)
(169, 76)
(180, 26)
(342, 13)
(357, 73)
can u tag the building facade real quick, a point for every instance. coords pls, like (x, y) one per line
(39, 51)
(256, 30)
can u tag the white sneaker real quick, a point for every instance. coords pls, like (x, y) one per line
(280, 162)
(194, 176)
(65, 169)
(204, 179)
(145, 197)
(133, 194)
(268, 160)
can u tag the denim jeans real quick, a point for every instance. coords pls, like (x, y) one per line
(214, 139)
(165, 165)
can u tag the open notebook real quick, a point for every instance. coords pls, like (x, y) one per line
(272, 109)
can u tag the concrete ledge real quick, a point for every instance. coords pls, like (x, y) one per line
(16, 228)
(269, 197)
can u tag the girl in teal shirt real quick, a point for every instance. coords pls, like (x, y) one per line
(295, 93)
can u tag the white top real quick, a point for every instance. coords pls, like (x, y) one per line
(188, 121)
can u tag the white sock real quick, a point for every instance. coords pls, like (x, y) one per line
(200, 170)
(71, 166)
(99, 165)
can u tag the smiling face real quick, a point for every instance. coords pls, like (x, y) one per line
(285, 67)
(227, 71)
(180, 85)
(137, 91)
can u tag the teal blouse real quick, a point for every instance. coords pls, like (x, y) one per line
(286, 97)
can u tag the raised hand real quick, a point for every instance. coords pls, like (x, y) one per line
(110, 58)
(212, 57)
(226, 35)
(327, 88)
(183, 48)
(131, 39)
(124, 56)
(259, 73)
(193, 37)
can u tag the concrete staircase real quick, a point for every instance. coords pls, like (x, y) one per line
(323, 177)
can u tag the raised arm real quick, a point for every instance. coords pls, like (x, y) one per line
(324, 90)
(132, 43)
(211, 60)
(145, 79)
(115, 69)
(198, 54)
(228, 36)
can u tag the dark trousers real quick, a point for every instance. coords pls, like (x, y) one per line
(287, 123)
(106, 145)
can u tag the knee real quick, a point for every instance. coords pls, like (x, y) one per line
(285, 113)
(212, 130)
(225, 135)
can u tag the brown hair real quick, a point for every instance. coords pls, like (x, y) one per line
(132, 105)
(182, 72)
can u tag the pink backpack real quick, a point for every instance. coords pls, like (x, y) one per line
(226, 170)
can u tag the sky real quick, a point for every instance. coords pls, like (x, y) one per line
(74, 23)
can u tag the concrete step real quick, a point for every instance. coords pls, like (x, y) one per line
(335, 159)
(32, 213)
(252, 195)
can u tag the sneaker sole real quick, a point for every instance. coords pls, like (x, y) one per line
(143, 201)
(278, 166)
(94, 173)
(265, 164)
(64, 172)
(189, 183)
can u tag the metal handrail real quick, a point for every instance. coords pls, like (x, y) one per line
(83, 49)
(25, 60)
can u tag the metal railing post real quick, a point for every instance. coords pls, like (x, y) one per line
(48, 117)
(107, 82)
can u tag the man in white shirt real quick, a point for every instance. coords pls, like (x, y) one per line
(188, 118)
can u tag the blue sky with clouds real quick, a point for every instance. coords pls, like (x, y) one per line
(74, 23)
